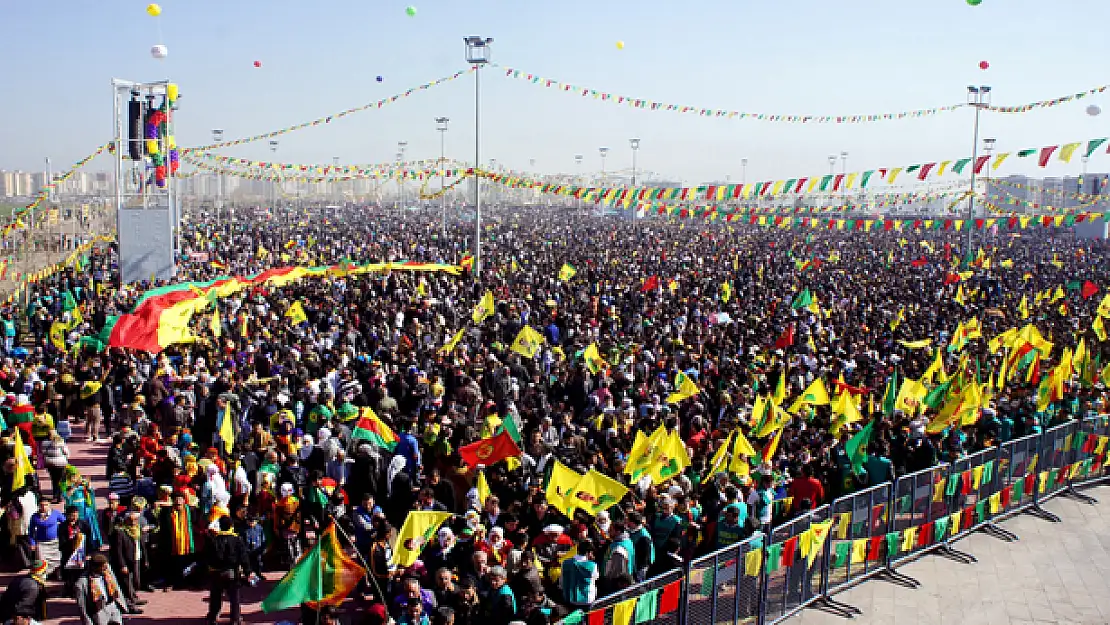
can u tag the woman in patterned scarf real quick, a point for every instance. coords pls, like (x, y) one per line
(79, 494)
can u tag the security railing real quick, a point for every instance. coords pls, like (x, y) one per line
(804, 561)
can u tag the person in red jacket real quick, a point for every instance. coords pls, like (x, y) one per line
(804, 487)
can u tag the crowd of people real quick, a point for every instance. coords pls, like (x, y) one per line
(661, 301)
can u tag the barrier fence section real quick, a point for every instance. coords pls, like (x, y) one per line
(793, 566)
(976, 498)
(765, 579)
(919, 501)
(1017, 468)
(858, 519)
(724, 586)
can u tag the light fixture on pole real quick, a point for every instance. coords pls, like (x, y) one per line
(604, 152)
(978, 98)
(274, 184)
(988, 151)
(218, 137)
(401, 145)
(635, 145)
(335, 178)
(578, 175)
(743, 175)
(441, 126)
(844, 175)
(477, 54)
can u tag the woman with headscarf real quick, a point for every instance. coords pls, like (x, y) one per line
(212, 489)
(78, 494)
(443, 554)
(287, 523)
(496, 546)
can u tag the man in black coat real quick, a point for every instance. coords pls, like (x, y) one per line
(126, 553)
(72, 534)
(226, 556)
(26, 594)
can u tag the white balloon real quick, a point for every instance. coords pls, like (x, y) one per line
(1093, 110)
(159, 51)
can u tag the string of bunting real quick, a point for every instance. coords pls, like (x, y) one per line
(44, 192)
(1014, 203)
(25, 279)
(335, 116)
(644, 103)
(324, 169)
(810, 184)
(1082, 197)
(261, 173)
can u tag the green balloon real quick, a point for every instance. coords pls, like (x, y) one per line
(411, 11)
(975, 3)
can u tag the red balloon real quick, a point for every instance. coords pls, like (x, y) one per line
(984, 65)
(258, 63)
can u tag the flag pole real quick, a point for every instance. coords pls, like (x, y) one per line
(365, 564)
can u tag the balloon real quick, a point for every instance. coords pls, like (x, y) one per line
(620, 45)
(258, 63)
(172, 91)
(379, 79)
(984, 65)
(410, 11)
(975, 3)
(153, 10)
(1093, 110)
(159, 51)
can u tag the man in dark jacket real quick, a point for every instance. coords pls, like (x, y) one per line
(26, 594)
(226, 557)
(126, 554)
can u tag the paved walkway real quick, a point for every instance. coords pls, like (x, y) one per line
(1056, 573)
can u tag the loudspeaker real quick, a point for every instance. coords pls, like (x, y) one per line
(135, 129)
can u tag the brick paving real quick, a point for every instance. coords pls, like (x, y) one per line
(1056, 573)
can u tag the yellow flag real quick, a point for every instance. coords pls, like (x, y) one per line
(684, 389)
(1097, 326)
(721, 455)
(562, 482)
(418, 531)
(960, 299)
(453, 343)
(741, 446)
(215, 325)
(1104, 306)
(910, 396)
(594, 361)
(527, 342)
(484, 308)
(227, 429)
(726, 292)
(23, 466)
(815, 394)
(595, 492)
(483, 488)
(566, 272)
(922, 344)
(1023, 307)
(296, 314)
(58, 335)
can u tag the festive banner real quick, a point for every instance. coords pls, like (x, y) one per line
(642, 103)
(44, 192)
(329, 118)
(323, 169)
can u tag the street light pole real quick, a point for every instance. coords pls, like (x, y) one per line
(844, 176)
(401, 145)
(218, 137)
(578, 176)
(477, 54)
(441, 126)
(832, 172)
(273, 185)
(743, 175)
(635, 145)
(978, 98)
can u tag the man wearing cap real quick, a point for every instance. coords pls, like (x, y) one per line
(26, 594)
(98, 594)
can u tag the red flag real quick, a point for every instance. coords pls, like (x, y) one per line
(1046, 153)
(920, 262)
(1089, 289)
(848, 388)
(489, 450)
(951, 278)
(650, 284)
(787, 338)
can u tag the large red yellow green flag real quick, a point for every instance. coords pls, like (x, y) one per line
(323, 576)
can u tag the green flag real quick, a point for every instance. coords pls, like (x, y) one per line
(68, 301)
(304, 582)
(856, 448)
(805, 298)
(890, 395)
(935, 398)
(509, 423)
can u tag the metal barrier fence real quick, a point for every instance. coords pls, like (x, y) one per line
(764, 580)
(792, 579)
(919, 500)
(1017, 468)
(720, 586)
(861, 516)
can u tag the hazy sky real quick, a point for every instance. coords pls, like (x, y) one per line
(775, 56)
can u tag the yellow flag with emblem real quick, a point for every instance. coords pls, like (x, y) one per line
(482, 487)
(593, 359)
(566, 272)
(815, 394)
(58, 335)
(484, 309)
(559, 485)
(595, 492)
(417, 532)
(296, 314)
(527, 342)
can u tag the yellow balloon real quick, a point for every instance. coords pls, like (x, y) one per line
(153, 10)
(620, 45)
